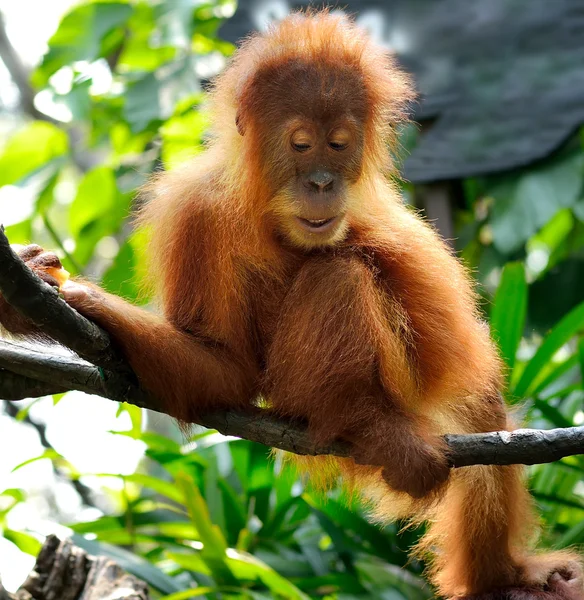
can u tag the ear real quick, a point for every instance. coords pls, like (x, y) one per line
(239, 123)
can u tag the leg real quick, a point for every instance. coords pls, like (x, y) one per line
(334, 329)
(190, 375)
(413, 460)
(484, 527)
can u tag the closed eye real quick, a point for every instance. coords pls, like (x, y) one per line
(338, 145)
(300, 147)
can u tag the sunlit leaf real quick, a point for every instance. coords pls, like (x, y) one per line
(23, 541)
(248, 567)
(181, 137)
(20, 233)
(201, 591)
(214, 544)
(29, 149)
(565, 330)
(509, 310)
(51, 454)
(97, 210)
(80, 36)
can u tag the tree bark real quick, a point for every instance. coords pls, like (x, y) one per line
(26, 371)
(65, 572)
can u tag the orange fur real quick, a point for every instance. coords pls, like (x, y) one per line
(371, 335)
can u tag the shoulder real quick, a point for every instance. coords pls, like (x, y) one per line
(184, 193)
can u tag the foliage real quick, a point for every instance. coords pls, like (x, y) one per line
(122, 83)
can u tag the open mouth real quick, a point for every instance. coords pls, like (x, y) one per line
(317, 225)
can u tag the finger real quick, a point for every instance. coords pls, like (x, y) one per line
(46, 259)
(75, 293)
(48, 278)
(29, 252)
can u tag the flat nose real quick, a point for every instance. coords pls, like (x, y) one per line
(321, 181)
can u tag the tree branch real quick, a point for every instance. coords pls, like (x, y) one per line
(25, 369)
(84, 492)
(19, 74)
(523, 446)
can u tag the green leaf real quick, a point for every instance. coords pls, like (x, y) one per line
(135, 414)
(95, 197)
(574, 535)
(372, 539)
(214, 544)
(581, 357)
(552, 414)
(200, 591)
(20, 233)
(132, 563)
(158, 485)
(16, 496)
(47, 195)
(82, 35)
(37, 144)
(120, 278)
(509, 310)
(525, 202)
(97, 210)
(248, 567)
(565, 330)
(553, 371)
(175, 21)
(154, 97)
(182, 136)
(143, 49)
(378, 575)
(23, 541)
(51, 454)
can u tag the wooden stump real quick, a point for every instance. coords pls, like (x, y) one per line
(65, 572)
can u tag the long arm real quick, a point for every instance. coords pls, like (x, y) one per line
(190, 375)
(196, 356)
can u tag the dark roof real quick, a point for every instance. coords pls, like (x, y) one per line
(502, 81)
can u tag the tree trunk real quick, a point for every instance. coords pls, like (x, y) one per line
(65, 572)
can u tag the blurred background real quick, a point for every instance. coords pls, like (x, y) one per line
(95, 96)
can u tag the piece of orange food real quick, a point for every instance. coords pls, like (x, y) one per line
(61, 275)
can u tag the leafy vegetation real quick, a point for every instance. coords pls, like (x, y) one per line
(121, 85)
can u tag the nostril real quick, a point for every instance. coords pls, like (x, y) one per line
(321, 181)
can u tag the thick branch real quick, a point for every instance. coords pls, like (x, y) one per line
(42, 305)
(524, 446)
(70, 373)
(18, 387)
(34, 370)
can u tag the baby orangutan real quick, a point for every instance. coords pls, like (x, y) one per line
(288, 268)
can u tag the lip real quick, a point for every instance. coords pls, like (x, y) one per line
(317, 225)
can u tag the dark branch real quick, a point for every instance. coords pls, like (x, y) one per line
(18, 387)
(524, 446)
(11, 409)
(24, 370)
(43, 306)
(19, 74)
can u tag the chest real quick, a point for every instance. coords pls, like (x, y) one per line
(266, 294)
